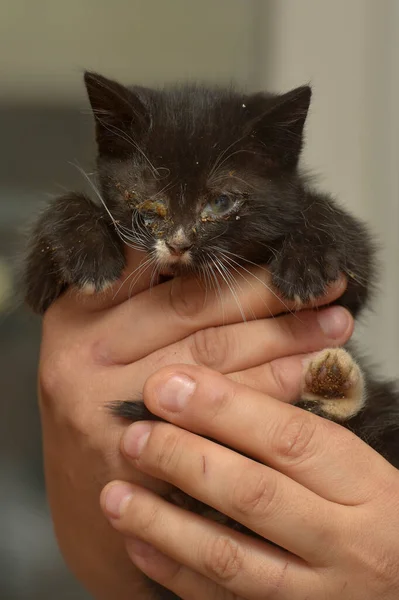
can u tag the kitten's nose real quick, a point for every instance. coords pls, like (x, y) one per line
(178, 249)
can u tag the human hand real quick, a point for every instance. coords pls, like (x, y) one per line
(100, 349)
(317, 491)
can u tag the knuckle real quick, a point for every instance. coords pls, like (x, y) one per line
(60, 393)
(327, 536)
(221, 404)
(297, 441)
(278, 376)
(222, 558)
(168, 450)
(288, 325)
(185, 303)
(255, 493)
(210, 347)
(60, 358)
(146, 519)
(54, 371)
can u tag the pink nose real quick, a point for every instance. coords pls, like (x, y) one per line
(177, 249)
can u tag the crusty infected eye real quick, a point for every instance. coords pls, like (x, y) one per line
(219, 206)
(152, 208)
(155, 207)
(154, 215)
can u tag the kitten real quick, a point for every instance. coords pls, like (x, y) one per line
(206, 179)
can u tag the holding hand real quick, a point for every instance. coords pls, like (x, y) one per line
(316, 491)
(104, 348)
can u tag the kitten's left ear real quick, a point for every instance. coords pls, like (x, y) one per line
(280, 127)
(119, 114)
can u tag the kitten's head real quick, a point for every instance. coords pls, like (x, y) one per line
(199, 176)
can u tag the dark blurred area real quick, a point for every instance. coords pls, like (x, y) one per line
(39, 142)
(46, 130)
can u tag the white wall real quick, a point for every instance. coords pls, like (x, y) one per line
(46, 44)
(349, 51)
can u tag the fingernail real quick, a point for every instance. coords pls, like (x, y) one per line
(135, 439)
(175, 392)
(333, 321)
(117, 497)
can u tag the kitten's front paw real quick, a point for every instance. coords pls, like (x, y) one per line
(73, 243)
(92, 270)
(333, 385)
(302, 275)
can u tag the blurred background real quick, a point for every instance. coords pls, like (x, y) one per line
(349, 52)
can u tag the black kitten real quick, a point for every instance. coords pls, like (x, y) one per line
(196, 175)
(206, 179)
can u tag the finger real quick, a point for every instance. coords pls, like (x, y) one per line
(246, 345)
(265, 501)
(319, 454)
(180, 307)
(244, 566)
(281, 378)
(243, 345)
(181, 580)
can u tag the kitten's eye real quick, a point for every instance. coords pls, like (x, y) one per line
(148, 218)
(151, 211)
(219, 206)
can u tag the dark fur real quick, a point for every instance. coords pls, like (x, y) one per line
(151, 140)
(184, 146)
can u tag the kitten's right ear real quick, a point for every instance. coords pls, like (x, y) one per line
(121, 117)
(280, 124)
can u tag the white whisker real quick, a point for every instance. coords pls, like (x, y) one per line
(233, 292)
(242, 267)
(141, 268)
(218, 290)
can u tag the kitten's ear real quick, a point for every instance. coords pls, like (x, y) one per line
(119, 114)
(280, 127)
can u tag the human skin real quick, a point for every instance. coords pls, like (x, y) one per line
(104, 348)
(325, 497)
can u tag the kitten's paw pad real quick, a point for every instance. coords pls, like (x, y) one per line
(331, 374)
(333, 383)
